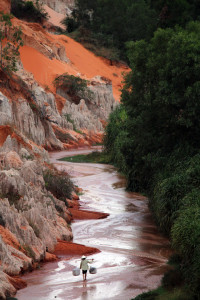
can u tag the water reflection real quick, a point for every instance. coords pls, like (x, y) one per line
(133, 254)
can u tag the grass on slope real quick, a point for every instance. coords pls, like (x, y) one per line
(94, 157)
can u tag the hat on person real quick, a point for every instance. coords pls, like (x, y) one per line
(83, 257)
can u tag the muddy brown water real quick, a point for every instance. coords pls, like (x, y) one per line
(133, 253)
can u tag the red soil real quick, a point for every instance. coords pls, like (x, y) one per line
(60, 102)
(82, 62)
(20, 140)
(17, 282)
(5, 130)
(50, 257)
(73, 249)
(9, 238)
(86, 215)
(90, 65)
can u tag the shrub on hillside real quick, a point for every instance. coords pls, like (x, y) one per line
(28, 10)
(186, 241)
(75, 87)
(59, 184)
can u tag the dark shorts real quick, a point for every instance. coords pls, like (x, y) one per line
(84, 271)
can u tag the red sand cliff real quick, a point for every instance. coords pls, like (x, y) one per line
(82, 62)
(5, 6)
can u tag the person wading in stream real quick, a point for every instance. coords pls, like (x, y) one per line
(84, 266)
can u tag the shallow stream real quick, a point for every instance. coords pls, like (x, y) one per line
(133, 253)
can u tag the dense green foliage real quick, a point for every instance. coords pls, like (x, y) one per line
(10, 42)
(28, 10)
(110, 26)
(153, 137)
(105, 28)
(176, 12)
(75, 87)
(94, 157)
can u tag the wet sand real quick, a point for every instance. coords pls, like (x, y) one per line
(133, 253)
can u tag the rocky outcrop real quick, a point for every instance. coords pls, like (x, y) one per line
(36, 37)
(89, 113)
(6, 288)
(29, 220)
(60, 6)
(34, 118)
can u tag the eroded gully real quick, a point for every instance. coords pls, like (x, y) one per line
(133, 253)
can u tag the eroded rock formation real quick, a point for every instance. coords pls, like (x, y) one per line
(34, 118)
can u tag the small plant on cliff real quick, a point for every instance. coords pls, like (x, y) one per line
(74, 86)
(59, 184)
(31, 11)
(10, 42)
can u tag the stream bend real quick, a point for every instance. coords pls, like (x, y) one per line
(133, 253)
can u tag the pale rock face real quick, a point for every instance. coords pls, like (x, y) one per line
(10, 160)
(88, 114)
(5, 111)
(24, 154)
(30, 215)
(12, 259)
(6, 288)
(60, 6)
(28, 122)
(10, 144)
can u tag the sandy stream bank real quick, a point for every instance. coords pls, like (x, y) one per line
(132, 256)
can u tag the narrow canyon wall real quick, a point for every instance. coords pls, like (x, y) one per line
(35, 118)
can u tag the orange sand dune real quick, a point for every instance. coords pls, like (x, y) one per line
(91, 65)
(83, 62)
(43, 68)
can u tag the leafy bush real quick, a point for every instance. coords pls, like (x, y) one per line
(108, 27)
(151, 295)
(94, 157)
(28, 10)
(98, 43)
(10, 42)
(75, 87)
(59, 184)
(71, 83)
(160, 147)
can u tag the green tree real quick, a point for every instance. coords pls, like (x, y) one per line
(113, 25)
(176, 12)
(161, 98)
(10, 42)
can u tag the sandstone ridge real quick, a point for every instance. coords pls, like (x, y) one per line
(36, 118)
